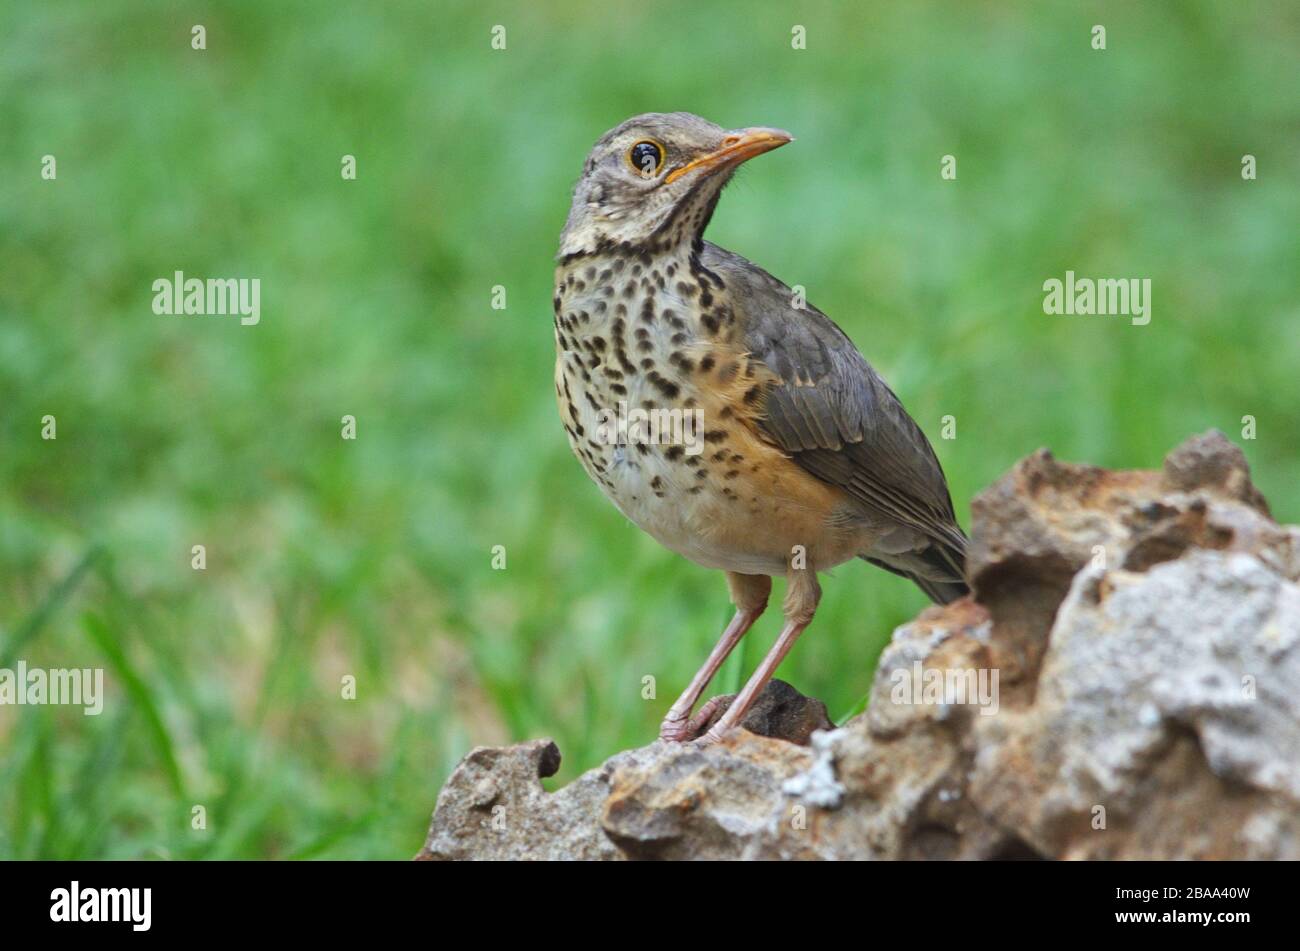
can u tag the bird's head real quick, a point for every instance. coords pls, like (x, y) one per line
(654, 180)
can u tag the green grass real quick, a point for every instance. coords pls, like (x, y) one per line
(372, 558)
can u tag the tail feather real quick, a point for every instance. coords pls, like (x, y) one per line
(941, 592)
(939, 570)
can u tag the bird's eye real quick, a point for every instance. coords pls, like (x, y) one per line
(646, 157)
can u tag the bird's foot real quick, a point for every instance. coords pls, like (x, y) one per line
(717, 726)
(675, 729)
(683, 728)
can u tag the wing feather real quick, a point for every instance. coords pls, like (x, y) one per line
(834, 414)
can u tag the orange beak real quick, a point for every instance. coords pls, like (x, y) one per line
(737, 147)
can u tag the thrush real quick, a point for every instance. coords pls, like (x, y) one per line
(805, 459)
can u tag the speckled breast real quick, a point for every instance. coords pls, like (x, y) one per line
(658, 401)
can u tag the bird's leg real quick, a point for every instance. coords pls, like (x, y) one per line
(801, 597)
(749, 593)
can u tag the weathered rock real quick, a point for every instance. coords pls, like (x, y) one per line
(1123, 683)
(779, 712)
(495, 807)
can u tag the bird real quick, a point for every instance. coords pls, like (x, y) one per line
(780, 451)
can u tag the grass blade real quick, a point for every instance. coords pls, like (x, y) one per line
(38, 618)
(139, 694)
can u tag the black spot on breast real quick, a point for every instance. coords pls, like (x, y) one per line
(665, 386)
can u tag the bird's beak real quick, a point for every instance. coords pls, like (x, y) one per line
(739, 146)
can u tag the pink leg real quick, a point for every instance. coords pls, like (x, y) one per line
(801, 600)
(750, 595)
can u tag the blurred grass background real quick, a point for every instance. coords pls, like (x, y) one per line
(373, 558)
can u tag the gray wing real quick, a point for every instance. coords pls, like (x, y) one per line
(838, 419)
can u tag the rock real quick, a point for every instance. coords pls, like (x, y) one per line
(779, 712)
(495, 807)
(1124, 682)
(718, 802)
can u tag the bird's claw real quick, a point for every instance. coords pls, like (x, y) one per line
(688, 729)
(675, 730)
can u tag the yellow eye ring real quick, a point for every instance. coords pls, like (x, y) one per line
(646, 157)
